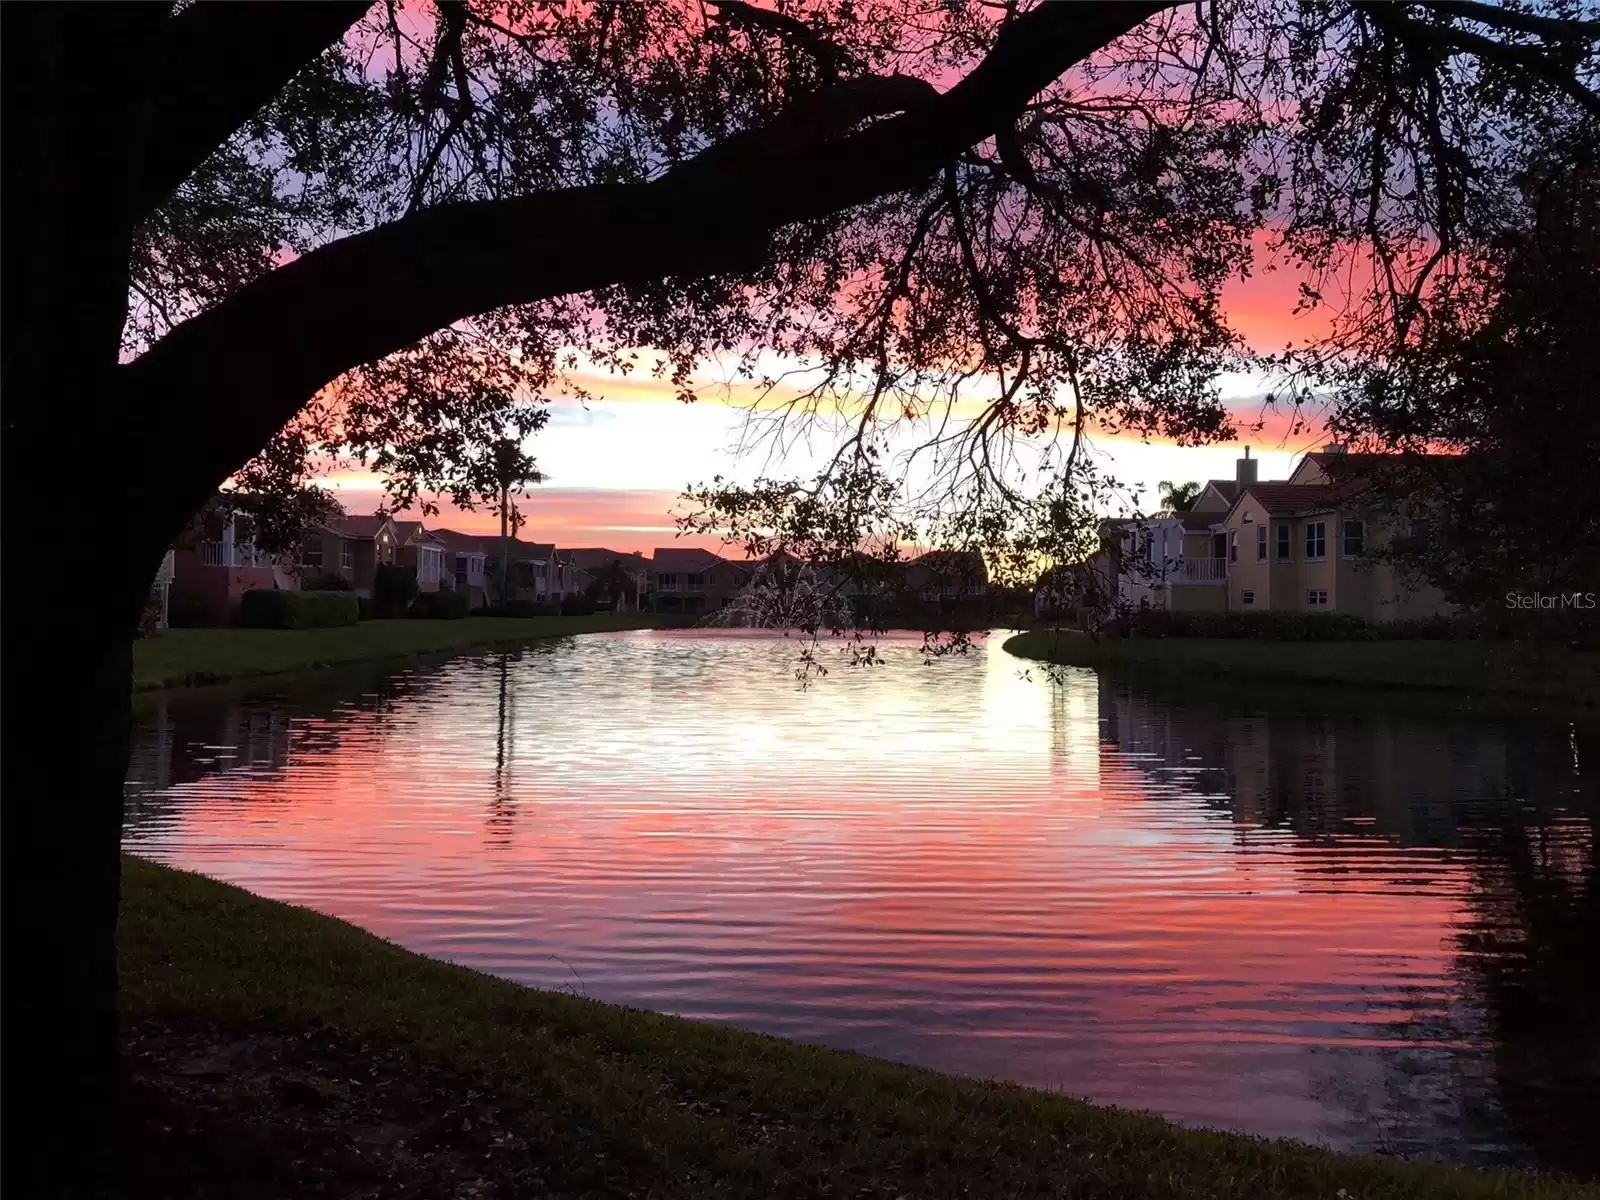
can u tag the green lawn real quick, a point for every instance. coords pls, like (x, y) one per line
(1481, 670)
(272, 1045)
(180, 657)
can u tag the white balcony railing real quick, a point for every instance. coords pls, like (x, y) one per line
(236, 554)
(1202, 570)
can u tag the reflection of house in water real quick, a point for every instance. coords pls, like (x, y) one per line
(178, 741)
(1397, 775)
(1495, 822)
(182, 738)
(181, 741)
(1075, 757)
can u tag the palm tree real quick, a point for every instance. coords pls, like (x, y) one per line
(513, 470)
(1179, 497)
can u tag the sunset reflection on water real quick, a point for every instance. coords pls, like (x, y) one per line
(1289, 922)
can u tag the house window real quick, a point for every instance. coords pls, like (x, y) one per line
(695, 581)
(311, 555)
(1317, 599)
(1261, 543)
(1316, 539)
(1233, 545)
(1247, 597)
(347, 556)
(1285, 540)
(1352, 538)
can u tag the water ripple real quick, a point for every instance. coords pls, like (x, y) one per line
(1341, 928)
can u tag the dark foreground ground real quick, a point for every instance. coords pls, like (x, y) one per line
(275, 1052)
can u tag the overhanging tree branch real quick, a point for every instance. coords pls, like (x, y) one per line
(221, 64)
(1557, 28)
(831, 58)
(221, 384)
(1448, 39)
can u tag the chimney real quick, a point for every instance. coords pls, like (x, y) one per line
(1334, 448)
(1244, 470)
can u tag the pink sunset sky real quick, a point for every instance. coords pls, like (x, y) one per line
(616, 467)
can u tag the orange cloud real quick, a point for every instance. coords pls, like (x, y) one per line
(618, 519)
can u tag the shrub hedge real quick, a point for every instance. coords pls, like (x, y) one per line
(328, 582)
(393, 589)
(446, 605)
(1280, 626)
(1577, 628)
(264, 608)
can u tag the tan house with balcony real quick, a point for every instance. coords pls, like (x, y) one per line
(689, 580)
(1301, 544)
(531, 573)
(1176, 561)
(623, 576)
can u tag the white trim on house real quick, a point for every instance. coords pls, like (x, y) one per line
(430, 563)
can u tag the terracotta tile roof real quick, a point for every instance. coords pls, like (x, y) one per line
(781, 557)
(358, 527)
(1229, 488)
(1353, 462)
(590, 558)
(519, 550)
(1287, 498)
(672, 559)
(1350, 467)
(413, 531)
(460, 543)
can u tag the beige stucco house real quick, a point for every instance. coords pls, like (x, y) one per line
(1305, 545)
(1301, 544)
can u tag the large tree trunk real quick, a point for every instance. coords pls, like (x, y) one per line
(80, 550)
(66, 705)
(72, 603)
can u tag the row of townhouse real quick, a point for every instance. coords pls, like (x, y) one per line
(1300, 544)
(216, 561)
(683, 580)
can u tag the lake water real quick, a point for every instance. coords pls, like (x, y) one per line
(1366, 928)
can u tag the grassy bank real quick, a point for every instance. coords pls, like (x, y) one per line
(1480, 670)
(296, 1054)
(185, 657)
